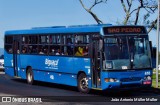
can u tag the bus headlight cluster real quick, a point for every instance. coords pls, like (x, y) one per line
(147, 78)
(110, 80)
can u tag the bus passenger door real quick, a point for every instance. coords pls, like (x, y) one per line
(16, 51)
(96, 64)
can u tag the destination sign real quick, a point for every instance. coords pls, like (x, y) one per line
(124, 30)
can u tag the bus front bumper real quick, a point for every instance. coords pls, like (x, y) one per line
(126, 85)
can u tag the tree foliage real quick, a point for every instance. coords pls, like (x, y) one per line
(89, 9)
(148, 7)
(133, 9)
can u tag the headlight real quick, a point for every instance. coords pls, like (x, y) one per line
(147, 78)
(106, 80)
(111, 80)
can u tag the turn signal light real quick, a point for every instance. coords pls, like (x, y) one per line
(106, 79)
(110, 80)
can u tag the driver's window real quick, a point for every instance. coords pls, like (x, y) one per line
(140, 46)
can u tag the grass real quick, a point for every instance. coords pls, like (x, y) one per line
(154, 79)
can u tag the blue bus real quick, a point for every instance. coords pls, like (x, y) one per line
(101, 57)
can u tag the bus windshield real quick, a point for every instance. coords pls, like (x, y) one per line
(127, 52)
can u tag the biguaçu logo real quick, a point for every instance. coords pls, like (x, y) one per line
(52, 64)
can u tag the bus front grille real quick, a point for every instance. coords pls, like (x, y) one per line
(130, 79)
(130, 86)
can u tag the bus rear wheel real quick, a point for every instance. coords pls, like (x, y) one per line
(83, 83)
(30, 78)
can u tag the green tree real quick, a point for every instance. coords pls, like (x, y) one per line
(132, 10)
(89, 9)
(147, 7)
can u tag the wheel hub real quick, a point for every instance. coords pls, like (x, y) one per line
(84, 83)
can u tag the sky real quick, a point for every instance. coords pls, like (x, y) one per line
(25, 14)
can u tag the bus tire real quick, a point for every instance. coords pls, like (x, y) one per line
(30, 77)
(83, 83)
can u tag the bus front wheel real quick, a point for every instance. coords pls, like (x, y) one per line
(30, 78)
(83, 83)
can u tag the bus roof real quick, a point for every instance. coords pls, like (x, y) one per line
(59, 29)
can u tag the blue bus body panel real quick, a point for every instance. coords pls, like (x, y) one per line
(55, 63)
(8, 62)
(130, 79)
(64, 69)
(89, 29)
(55, 69)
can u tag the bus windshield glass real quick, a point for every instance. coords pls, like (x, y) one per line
(127, 52)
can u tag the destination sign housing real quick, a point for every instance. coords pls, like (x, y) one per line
(124, 30)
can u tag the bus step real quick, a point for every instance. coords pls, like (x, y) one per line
(16, 77)
(97, 88)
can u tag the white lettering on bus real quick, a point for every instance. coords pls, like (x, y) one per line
(53, 63)
(12, 63)
(89, 71)
(52, 77)
(147, 73)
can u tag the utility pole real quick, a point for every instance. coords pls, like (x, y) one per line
(157, 43)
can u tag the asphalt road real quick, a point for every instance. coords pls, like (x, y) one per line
(54, 93)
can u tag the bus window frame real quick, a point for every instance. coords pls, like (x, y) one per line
(10, 51)
(62, 44)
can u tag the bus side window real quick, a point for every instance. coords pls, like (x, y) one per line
(34, 49)
(9, 44)
(46, 51)
(52, 52)
(79, 51)
(24, 50)
(9, 48)
(69, 46)
(58, 52)
(55, 50)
